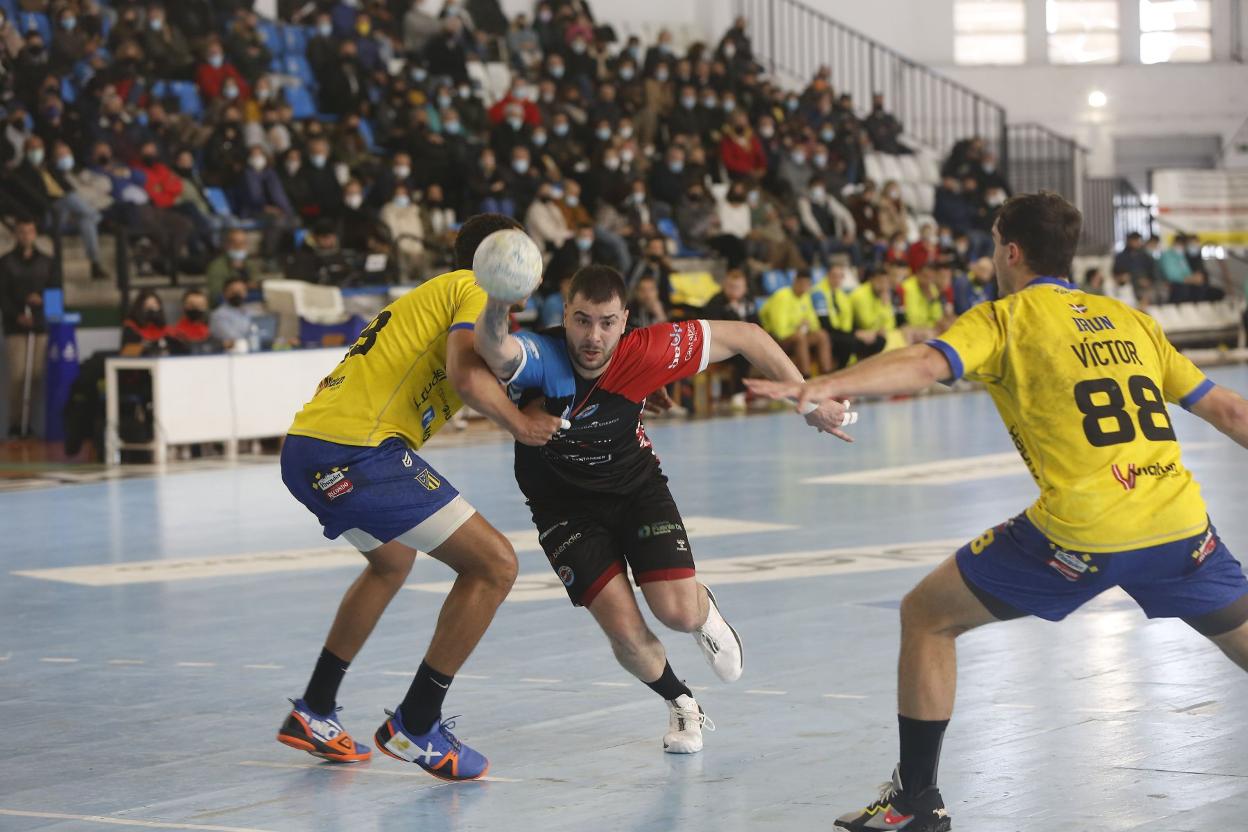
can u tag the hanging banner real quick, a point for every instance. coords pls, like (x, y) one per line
(1212, 204)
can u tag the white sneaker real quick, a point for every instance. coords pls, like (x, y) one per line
(720, 643)
(684, 726)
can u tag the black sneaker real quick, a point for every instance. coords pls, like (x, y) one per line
(896, 810)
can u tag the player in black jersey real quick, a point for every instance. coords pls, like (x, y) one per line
(598, 497)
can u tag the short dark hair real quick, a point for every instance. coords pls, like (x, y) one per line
(474, 230)
(803, 274)
(1090, 273)
(231, 281)
(1046, 227)
(598, 284)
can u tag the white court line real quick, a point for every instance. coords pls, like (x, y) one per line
(196, 664)
(757, 692)
(537, 680)
(6, 657)
(469, 676)
(843, 696)
(753, 569)
(126, 661)
(146, 824)
(612, 684)
(307, 560)
(699, 687)
(58, 660)
(263, 666)
(378, 771)
(404, 673)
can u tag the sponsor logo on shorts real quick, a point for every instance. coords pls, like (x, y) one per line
(565, 574)
(327, 481)
(1070, 566)
(1206, 548)
(343, 487)
(407, 459)
(1127, 477)
(658, 529)
(541, 538)
(428, 480)
(563, 547)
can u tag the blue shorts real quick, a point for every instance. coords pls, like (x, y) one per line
(1014, 570)
(372, 496)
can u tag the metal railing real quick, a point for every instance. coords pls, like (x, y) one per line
(793, 40)
(1112, 209)
(1042, 160)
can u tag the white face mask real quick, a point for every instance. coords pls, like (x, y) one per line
(292, 168)
(626, 132)
(520, 166)
(572, 200)
(402, 171)
(318, 160)
(257, 162)
(354, 201)
(611, 163)
(402, 200)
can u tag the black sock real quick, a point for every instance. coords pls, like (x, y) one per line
(920, 751)
(668, 686)
(423, 704)
(322, 693)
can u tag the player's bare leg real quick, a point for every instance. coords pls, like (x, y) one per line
(641, 653)
(933, 615)
(689, 607)
(367, 598)
(485, 564)
(1235, 644)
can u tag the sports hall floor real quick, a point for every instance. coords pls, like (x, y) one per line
(151, 628)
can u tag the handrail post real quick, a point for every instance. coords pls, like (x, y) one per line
(771, 35)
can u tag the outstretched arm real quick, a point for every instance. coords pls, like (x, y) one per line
(476, 384)
(1227, 411)
(494, 342)
(729, 338)
(907, 370)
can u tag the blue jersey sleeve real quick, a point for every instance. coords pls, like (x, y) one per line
(545, 365)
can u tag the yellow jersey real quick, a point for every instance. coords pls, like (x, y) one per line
(833, 304)
(923, 309)
(785, 311)
(393, 381)
(1081, 382)
(870, 312)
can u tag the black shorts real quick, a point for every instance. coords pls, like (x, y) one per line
(591, 538)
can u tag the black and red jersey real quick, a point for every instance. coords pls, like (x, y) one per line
(606, 450)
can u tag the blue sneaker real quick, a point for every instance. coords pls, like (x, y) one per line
(320, 735)
(438, 752)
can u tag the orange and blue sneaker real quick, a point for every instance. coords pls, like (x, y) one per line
(321, 735)
(438, 752)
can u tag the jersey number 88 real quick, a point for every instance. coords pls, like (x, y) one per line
(1152, 416)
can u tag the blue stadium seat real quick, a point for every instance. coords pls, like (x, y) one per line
(218, 202)
(184, 92)
(776, 279)
(296, 40)
(298, 66)
(68, 93)
(366, 130)
(33, 20)
(272, 35)
(10, 9)
(667, 227)
(301, 103)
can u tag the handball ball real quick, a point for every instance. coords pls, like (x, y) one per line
(508, 265)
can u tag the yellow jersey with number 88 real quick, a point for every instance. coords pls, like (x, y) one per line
(1082, 382)
(393, 381)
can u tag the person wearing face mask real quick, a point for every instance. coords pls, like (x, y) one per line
(345, 82)
(741, 151)
(522, 179)
(69, 42)
(793, 177)
(406, 224)
(262, 199)
(668, 180)
(510, 133)
(214, 75)
(355, 223)
(322, 48)
(245, 46)
(234, 261)
(326, 191)
(545, 221)
(893, 216)
(230, 323)
(144, 330)
(827, 222)
(191, 333)
(580, 250)
(165, 48)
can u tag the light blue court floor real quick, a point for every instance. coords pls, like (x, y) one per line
(151, 629)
